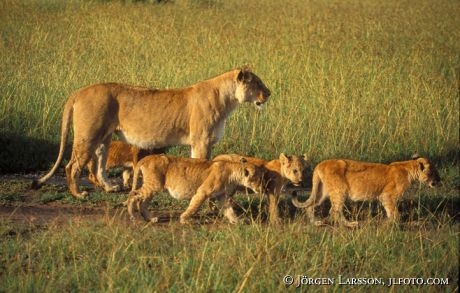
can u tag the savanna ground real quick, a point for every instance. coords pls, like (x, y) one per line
(367, 80)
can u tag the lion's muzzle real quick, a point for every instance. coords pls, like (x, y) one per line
(262, 98)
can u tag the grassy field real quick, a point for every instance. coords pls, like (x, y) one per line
(369, 80)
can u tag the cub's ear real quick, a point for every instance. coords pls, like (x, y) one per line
(423, 163)
(284, 158)
(415, 156)
(304, 157)
(243, 160)
(421, 166)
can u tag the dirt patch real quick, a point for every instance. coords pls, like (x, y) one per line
(42, 214)
(20, 204)
(23, 206)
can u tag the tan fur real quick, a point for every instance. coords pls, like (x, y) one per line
(194, 179)
(150, 118)
(342, 179)
(121, 154)
(277, 173)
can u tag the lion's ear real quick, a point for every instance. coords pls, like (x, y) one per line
(415, 156)
(240, 76)
(245, 172)
(243, 160)
(244, 75)
(305, 157)
(284, 158)
(421, 166)
(422, 163)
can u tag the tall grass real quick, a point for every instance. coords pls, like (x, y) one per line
(365, 80)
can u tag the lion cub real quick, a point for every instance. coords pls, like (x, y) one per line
(194, 179)
(121, 154)
(342, 179)
(278, 172)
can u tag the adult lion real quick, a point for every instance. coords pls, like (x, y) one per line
(342, 179)
(194, 179)
(150, 118)
(278, 172)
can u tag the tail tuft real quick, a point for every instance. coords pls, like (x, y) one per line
(35, 184)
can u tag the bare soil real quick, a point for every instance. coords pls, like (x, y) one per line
(28, 210)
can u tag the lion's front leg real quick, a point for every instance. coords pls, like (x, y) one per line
(391, 209)
(201, 148)
(197, 200)
(273, 199)
(193, 207)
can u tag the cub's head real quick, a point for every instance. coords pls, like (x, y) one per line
(251, 89)
(293, 167)
(426, 172)
(252, 176)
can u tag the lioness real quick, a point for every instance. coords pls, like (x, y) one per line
(342, 179)
(150, 118)
(277, 173)
(121, 154)
(195, 179)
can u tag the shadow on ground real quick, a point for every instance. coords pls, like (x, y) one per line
(21, 154)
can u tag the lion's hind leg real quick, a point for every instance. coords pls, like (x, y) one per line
(126, 177)
(139, 200)
(273, 211)
(144, 203)
(336, 211)
(226, 204)
(101, 155)
(132, 202)
(80, 158)
(92, 171)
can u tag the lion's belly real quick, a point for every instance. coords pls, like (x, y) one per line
(181, 192)
(363, 193)
(153, 140)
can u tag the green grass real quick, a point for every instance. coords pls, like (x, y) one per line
(369, 80)
(109, 253)
(105, 256)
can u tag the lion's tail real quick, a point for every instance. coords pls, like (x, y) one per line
(315, 192)
(136, 170)
(66, 119)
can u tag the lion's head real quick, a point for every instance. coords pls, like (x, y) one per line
(253, 176)
(427, 172)
(250, 88)
(292, 168)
